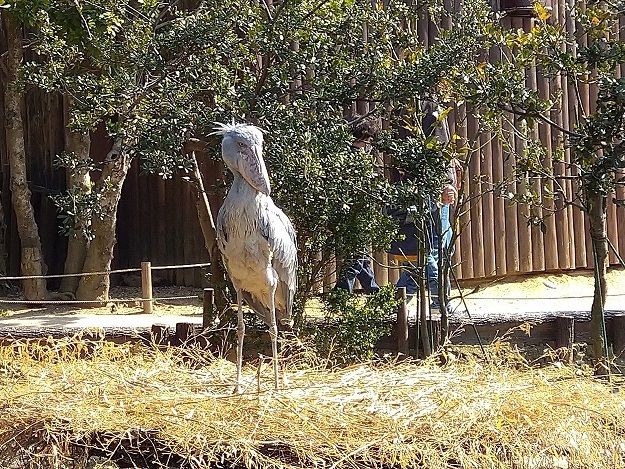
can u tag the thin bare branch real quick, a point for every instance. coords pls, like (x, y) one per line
(542, 117)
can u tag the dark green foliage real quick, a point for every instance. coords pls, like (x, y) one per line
(584, 53)
(354, 324)
(76, 210)
(157, 74)
(338, 208)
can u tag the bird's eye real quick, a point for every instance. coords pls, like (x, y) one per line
(241, 144)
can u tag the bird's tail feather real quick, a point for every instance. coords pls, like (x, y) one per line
(283, 318)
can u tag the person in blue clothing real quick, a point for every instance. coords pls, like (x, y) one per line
(437, 226)
(358, 266)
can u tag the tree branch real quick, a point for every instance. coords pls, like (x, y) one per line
(542, 117)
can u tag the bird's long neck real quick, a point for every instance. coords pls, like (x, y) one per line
(240, 184)
(241, 190)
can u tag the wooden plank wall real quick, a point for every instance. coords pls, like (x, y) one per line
(495, 239)
(158, 221)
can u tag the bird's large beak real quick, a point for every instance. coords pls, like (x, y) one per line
(252, 168)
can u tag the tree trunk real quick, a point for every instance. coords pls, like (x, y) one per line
(598, 233)
(443, 276)
(31, 255)
(3, 246)
(77, 243)
(100, 252)
(207, 223)
(424, 305)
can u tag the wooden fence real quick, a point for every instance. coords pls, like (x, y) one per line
(496, 238)
(157, 218)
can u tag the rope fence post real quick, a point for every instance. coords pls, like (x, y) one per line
(146, 286)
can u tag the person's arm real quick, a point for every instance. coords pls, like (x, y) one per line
(449, 194)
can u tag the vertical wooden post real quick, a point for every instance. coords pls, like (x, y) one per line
(380, 268)
(434, 326)
(401, 326)
(159, 333)
(465, 236)
(146, 286)
(565, 334)
(318, 285)
(208, 309)
(618, 334)
(499, 205)
(476, 214)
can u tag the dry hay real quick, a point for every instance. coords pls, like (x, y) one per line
(65, 401)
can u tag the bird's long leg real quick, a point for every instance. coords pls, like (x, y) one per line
(240, 336)
(273, 333)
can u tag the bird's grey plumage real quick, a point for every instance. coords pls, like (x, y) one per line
(256, 238)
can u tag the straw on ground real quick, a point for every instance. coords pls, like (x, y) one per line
(63, 401)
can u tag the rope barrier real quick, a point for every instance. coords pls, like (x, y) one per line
(185, 266)
(103, 302)
(106, 272)
(25, 277)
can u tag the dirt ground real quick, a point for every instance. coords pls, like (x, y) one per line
(534, 295)
(518, 297)
(174, 300)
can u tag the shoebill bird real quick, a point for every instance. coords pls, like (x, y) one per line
(256, 238)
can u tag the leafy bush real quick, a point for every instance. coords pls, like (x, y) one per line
(354, 324)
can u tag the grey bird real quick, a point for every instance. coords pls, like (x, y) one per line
(256, 239)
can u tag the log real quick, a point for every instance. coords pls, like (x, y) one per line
(618, 334)
(434, 327)
(566, 119)
(524, 232)
(510, 212)
(537, 236)
(499, 206)
(476, 215)
(550, 242)
(185, 332)
(464, 226)
(159, 333)
(423, 303)
(488, 201)
(380, 268)
(565, 334)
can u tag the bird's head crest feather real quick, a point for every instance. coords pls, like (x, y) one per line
(222, 129)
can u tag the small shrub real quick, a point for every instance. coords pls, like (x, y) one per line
(354, 324)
